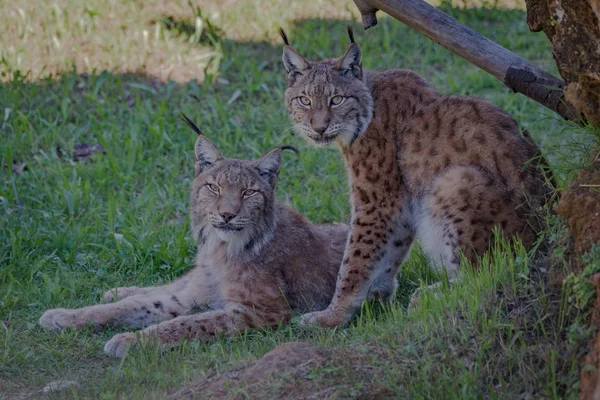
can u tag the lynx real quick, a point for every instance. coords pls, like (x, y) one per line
(256, 264)
(444, 169)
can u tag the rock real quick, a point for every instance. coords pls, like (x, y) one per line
(59, 386)
(83, 151)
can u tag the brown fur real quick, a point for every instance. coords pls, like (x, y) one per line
(445, 169)
(258, 263)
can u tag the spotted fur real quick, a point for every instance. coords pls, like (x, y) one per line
(445, 169)
(256, 264)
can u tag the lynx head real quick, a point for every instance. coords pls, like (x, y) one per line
(233, 200)
(328, 100)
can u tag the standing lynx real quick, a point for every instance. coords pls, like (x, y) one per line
(445, 169)
(256, 263)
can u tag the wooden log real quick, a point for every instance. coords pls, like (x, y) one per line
(514, 71)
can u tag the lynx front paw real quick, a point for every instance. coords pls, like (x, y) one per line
(58, 319)
(326, 318)
(119, 344)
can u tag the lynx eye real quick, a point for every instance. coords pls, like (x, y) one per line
(304, 101)
(337, 100)
(250, 192)
(213, 188)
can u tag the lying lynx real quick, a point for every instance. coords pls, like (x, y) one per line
(445, 169)
(258, 262)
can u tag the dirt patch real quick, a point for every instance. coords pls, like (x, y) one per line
(293, 370)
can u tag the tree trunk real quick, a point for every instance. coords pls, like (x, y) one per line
(573, 27)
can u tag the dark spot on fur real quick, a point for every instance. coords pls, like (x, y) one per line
(480, 138)
(387, 186)
(176, 300)
(375, 197)
(363, 196)
(417, 148)
(446, 161)
(159, 305)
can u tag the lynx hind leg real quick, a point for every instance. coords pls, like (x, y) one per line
(121, 293)
(461, 213)
(204, 327)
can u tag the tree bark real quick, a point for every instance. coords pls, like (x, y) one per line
(573, 27)
(514, 71)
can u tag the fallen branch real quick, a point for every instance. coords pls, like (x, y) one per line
(514, 71)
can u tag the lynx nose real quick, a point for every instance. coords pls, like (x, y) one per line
(319, 121)
(227, 216)
(320, 129)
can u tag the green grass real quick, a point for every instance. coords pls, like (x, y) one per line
(117, 73)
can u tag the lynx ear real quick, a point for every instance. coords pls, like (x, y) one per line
(295, 65)
(269, 165)
(351, 61)
(206, 155)
(205, 152)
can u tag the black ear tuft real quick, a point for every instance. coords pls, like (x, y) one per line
(190, 123)
(350, 33)
(292, 148)
(284, 36)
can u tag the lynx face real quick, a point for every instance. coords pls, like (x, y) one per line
(232, 201)
(328, 101)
